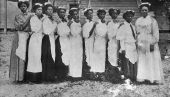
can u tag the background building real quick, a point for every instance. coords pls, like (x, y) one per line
(160, 9)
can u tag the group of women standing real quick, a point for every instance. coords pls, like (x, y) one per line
(49, 49)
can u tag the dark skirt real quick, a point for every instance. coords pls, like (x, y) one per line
(61, 68)
(85, 69)
(34, 77)
(128, 69)
(112, 73)
(48, 64)
(17, 65)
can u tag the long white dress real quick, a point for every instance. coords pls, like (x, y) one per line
(64, 32)
(149, 63)
(112, 44)
(34, 49)
(76, 58)
(88, 42)
(99, 48)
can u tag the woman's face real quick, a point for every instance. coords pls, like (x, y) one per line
(114, 15)
(50, 11)
(101, 15)
(144, 11)
(90, 15)
(75, 15)
(38, 11)
(129, 18)
(62, 13)
(23, 7)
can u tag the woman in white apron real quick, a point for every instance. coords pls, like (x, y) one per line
(63, 45)
(34, 68)
(88, 35)
(112, 71)
(128, 52)
(76, 55)
(48, 45)
(100, 45)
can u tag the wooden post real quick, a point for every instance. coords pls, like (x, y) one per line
(5, 16)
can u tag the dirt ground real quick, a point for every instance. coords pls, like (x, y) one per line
(79, 88)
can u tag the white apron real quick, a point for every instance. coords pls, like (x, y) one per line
(99, 48)
(34, 50)
(76, 58)
(64, 32)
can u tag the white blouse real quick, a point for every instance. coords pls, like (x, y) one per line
(36, 26)
(63, 29)
(49, 26)
(147, 29)
(75, 29)
(87, 28)
(101, 29)
(112, 29)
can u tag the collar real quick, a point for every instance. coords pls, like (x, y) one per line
(99, 21)
(146, 17)
(87, 20)
(126, 23)
(26, 13)
(115, 21)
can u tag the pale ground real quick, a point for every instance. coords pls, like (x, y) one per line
(75, 89)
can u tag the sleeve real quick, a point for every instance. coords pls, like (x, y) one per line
(17, 23)
(155, 30)
(136, 27)
(110, 31)
(85, 31)
(120, 35)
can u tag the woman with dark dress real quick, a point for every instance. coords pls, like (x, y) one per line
(19, 46)
(62, 45)
(34, 67)
(128, 52)
(48, 45)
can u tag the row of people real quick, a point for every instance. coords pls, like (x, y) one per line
(57, 49)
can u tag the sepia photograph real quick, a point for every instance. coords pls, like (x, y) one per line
(84, 48)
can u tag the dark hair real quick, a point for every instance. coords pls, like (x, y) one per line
(128, 12)
(35, 7)
(72, 11)
(86, 12)
(23, 2)
(111, 10)
(69, 17)
(101, 11)
(146, 5)
(59, 9)
(46, 7)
